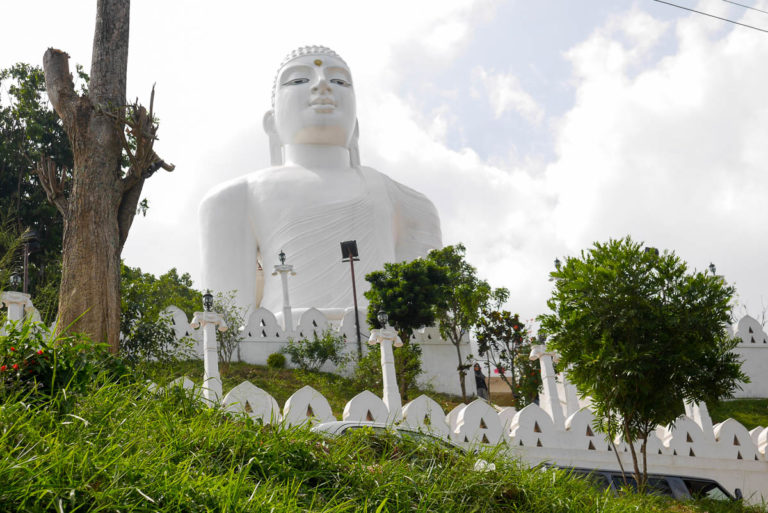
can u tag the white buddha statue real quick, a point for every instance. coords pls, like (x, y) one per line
(314, 196)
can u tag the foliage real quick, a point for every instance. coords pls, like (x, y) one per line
(411, 293)
(465, 297)
(234, 317)
(155, 294)
(507, 342)
(29, 129)
(40, 365)
(640, 334)
(124, 449)
(310, 355)
(276, 361)
(147, 330)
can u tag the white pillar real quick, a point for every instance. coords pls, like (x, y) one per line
(551, 402)
(212, 390)
(284, 270)
(387, 338)
(571, 396)
(16, 302)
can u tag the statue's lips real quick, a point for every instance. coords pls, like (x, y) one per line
(322, 108)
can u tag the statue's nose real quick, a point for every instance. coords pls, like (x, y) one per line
(321, 86)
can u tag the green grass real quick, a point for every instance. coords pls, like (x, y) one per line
(124, 449)
(750, 412)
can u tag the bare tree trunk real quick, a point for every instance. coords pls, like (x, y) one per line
(100, 207)
(462, 372)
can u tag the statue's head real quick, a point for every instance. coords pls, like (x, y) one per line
(313, 102)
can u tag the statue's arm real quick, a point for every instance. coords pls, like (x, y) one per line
(228, 243)
(417, 223)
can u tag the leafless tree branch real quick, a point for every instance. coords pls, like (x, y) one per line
(54, 183)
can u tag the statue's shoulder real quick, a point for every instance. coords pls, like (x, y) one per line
(396, 190)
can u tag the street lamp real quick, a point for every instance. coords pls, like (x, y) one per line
(208, 301)
(712, 269)
(281, 256)
(349, 254)
(383, 318)
(15, 281)
(31, 244)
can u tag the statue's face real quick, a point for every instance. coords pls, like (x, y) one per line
(315, 102)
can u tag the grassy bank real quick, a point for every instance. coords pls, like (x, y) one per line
(122, 448)
(750, 412)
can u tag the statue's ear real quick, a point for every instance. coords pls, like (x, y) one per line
(354, 149)
(275, 146)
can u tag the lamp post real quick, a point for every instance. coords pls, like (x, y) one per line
(209, 321)
(387, 337)
(31, 245)
(349, 253)
(284, 270)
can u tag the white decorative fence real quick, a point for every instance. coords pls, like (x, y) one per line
(263, 334)
(727, 451)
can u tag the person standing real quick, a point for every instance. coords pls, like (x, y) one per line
(480, 383)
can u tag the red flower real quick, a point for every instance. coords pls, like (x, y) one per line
(515, 327)
(495, 371)
(39, 351)
(13, 348)
(2, 368)
(15, 366)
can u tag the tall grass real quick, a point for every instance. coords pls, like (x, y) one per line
(122, 448)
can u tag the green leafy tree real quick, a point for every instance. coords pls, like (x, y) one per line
(30, 129)
(147, 332)
(411, 293)
(640, 334)
(505, 339)
(465, 297)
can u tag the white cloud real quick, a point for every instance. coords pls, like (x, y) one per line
(675, 154)
(505, 94)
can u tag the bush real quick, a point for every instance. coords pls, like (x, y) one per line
(147, 340)
(312, 354)
(34, 361)
(276, 361)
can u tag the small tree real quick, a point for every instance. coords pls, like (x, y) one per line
(411, 293)
(465, 297)
(234, 316)
(641, 334)
(310, 355)
(505, 339)
(146, 329)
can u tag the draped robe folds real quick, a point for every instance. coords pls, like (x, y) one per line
(307, 218)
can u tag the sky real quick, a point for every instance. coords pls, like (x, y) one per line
(536, 127)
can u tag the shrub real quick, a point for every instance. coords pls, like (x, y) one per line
(276, 361)
(34, 361)
(234, 316)
(146, 340)
(312, 354)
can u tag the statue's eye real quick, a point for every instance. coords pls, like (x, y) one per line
(297, 81)
(340, 81)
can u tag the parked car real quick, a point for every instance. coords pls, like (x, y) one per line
(679, 487)
(342, 427)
